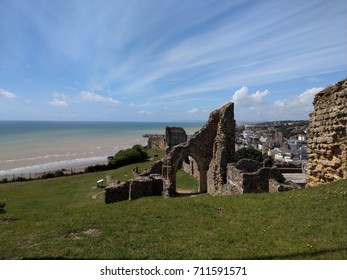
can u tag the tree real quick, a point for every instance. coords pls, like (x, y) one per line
(249, 153)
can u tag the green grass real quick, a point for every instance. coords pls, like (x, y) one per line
(186, 183)
(62, 218)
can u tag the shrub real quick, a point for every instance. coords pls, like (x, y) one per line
(124, 157)
(249, 153)
(4, 180)
(20, 179)
(58, 173)
(96, 168)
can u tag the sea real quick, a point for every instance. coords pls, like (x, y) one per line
(28, 147)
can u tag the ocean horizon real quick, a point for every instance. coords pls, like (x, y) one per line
(27, 147)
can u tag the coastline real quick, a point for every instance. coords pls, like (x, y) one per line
(29, 148)
(37, 170)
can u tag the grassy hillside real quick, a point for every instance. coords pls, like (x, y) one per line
(67, 218)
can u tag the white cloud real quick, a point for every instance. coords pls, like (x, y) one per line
(132, 104)
(145, 112)
(297, 107)
(7, 94)
(193, 111)
(242, 98)
(58, 103)
(93, 97)
(308, 96)
(59, 100)
(301, 102)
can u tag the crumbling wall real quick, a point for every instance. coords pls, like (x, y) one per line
(140, 188)
(223, 149)
(248, 176)
(156, 142)
(117, 191)
(327, 137)
(212, 148)
(156, 168)
(174, 136)
(190, 166)
(133, 189)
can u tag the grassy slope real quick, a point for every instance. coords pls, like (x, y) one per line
(59, 218)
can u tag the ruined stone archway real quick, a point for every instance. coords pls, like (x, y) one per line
(212, 148)
(172, 165)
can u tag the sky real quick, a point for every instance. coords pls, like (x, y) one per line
(168, 60)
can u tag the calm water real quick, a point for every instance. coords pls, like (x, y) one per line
(36, 146)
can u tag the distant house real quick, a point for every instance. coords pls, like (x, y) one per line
(302, 137)
(294, 144)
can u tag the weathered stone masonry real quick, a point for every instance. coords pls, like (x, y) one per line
(249, 176)
(327, 144)
(213, 149)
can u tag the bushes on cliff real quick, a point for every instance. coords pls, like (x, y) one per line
(124, 157)
(53, 174)
(249, 153)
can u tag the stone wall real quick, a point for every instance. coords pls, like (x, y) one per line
(156, 168)
(117, 191)
(190, 166)
(212, 148)
(174, 136)
(156, 142)
(249, 176)
(327, 143)
(223, 149)
(133, 189)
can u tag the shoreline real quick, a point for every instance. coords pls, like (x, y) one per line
(67, 167)
(48, 147)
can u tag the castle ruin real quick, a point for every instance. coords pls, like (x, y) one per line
(212, 150)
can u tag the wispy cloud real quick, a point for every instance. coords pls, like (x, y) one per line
(172, 52)
(87, 96)
(59, 100)
(7, 94)
(284, 46)
(62, 100)
(143, 112)
(58, 103)
(140, 105)
(193, 111)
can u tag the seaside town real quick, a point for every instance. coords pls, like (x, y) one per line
(283, 141)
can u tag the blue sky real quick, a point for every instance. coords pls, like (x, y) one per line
(142, 60)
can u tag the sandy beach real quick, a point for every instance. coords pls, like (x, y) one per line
(30, 149)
